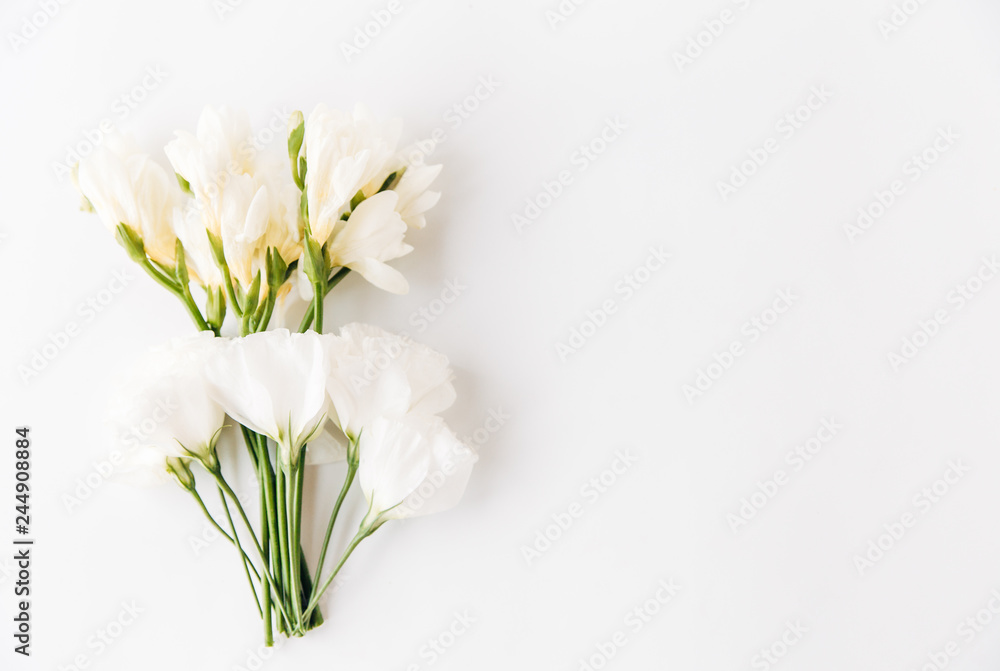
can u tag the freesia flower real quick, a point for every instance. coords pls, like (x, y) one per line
(414, 197)
(125, 186)
(375, 373)
(220, 147)
(274, 383)
(247, 200)
(411, 466)
(345, 153)
(372, 235)
(165, 404)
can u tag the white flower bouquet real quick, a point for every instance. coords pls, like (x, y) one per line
(252, 234)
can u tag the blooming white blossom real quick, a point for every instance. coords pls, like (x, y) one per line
(372, 235)
(345, 153)
(414, 197)
(274, 383)
(411, 466)
(165, 404)
(375, 373)
(245, 198)
(125, 186)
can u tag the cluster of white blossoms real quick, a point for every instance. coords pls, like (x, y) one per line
(250, 232)
(364, 395)
(244, 227)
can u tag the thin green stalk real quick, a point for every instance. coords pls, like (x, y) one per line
(364, 532)
(243, 555)
(307, 319)
(352, 469)
(282, 500)
(294, 511)
(231, 292)
(222, 531)
(319, 293)
(264, 540)
(188, 300)
(169, 283)
(260, 553)
(265, 319)
(270, 496)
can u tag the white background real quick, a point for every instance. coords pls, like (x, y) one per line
(656, 184)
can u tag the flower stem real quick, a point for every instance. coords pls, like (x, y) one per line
(352, 468)
(364, 532)
(243, 555)
(260, 553)
(281, 499)
(295, 529)
(307, 319)
(319, 293)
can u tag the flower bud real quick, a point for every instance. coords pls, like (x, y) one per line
(132, 242)
(180, 271)
(296, 132)
(215, 306)
(181, 472)
(314, 262)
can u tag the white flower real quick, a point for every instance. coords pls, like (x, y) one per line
(165, 405)
(247, 200)
(198, 255)
(127, 187)
(414, 198)
(375, 373)
(220, 148)
(344, 154)
(371, 236)
(274, 383)
(411, 466)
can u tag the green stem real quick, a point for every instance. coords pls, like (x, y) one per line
(282, 500)
(272, 517)
(265, 319)
(307, 319)
(352, 468)
(243, 555)
(319, 293)
(260, 553)
(231, 292)
(169, 283)
(295, 530)
(264, 539)
(364, 532)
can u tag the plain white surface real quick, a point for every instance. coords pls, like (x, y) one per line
(665, 517)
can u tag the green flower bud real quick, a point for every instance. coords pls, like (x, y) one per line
(181, 472)
(132, 242)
